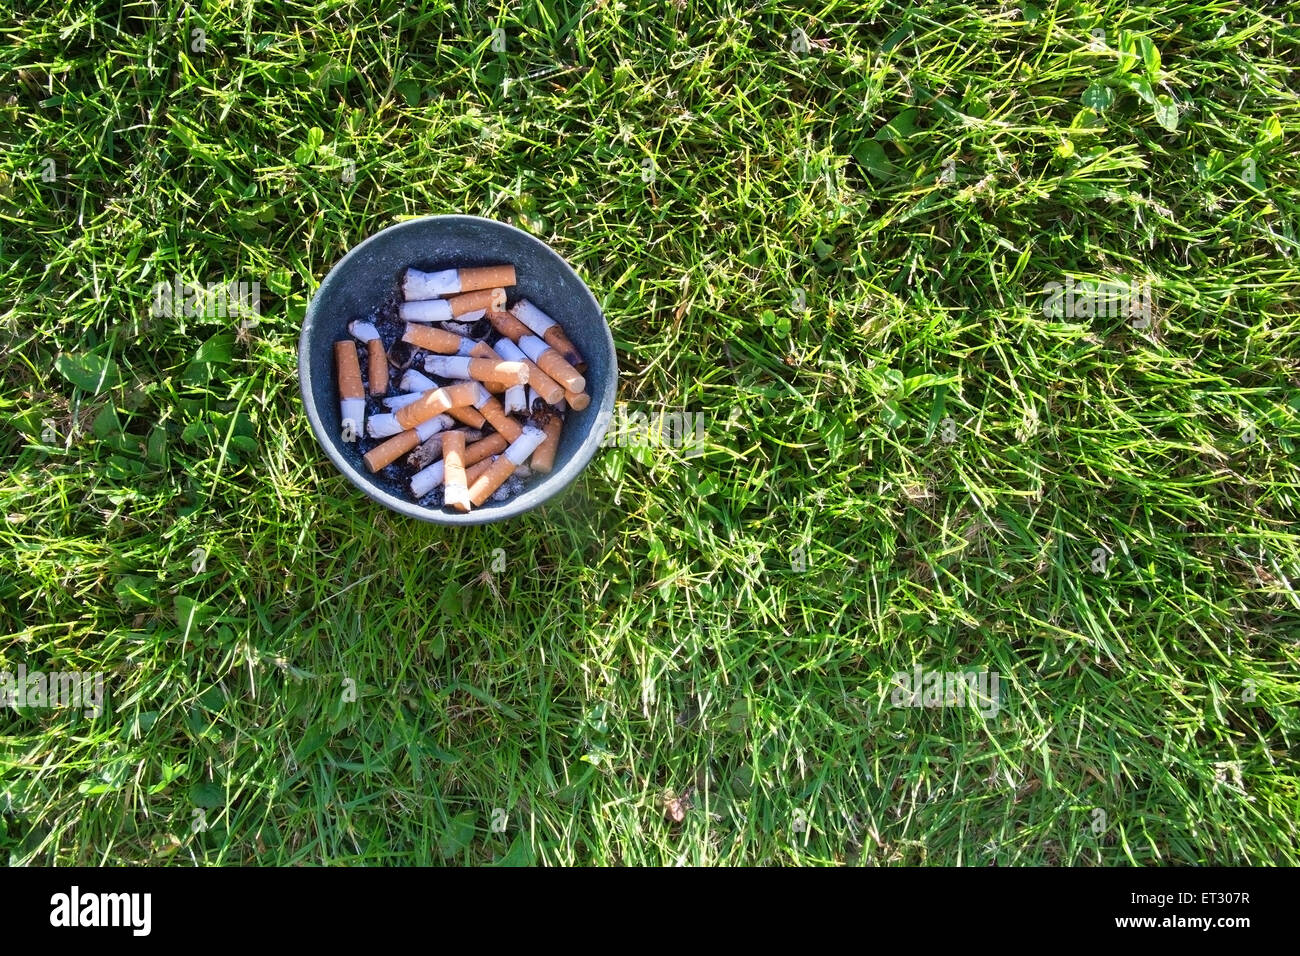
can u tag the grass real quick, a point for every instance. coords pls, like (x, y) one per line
(830, 231)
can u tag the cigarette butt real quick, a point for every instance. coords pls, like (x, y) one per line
(349, 370)
(414, 381)
(472, 473)
(391, 450)
(507, 373)
(515, 400)
(550, 331)
(577, 400)
(425, 480)
(430, 451)
(479, 369)
(503, 467)
(543, 459)
(430, 285)
(468, 416)
(436, 402)
(462, 305)
(486, 277)
(378, 366)
(485, 448)
(395, 402)
(483, 350)
(545, 386)
(455, 490)
(557, 340)
(507, 325)
(499, 420)
(435, 340)
(384, 426)
(552, 363)
(352, 394)
(427, 310)
(490, 480)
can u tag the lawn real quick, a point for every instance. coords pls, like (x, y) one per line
(986, 317)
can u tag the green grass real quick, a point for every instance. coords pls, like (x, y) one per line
(913, 181)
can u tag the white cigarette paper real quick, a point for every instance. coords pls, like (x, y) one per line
(533, 347)
(449, 366)
(382, 426)
(427, 310)
(532, 316)
(401, 401)
(515, 399)
(430, 427)
(415, 381)
(364, 331)
(525, 444)
(430, 285)
(425, 480)
(354, 411)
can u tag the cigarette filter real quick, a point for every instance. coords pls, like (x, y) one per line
(479, 369)
(544, 457)
(552, 363)
(468, 416)
(499, 420)
(503, 467)
(431, 285)
(401, 443)
(507, 325)
(545, 386)
(485, 448)
(436, 402)
(435, 340)
(577, 400)
(455, 491)
(549, 331)
(486, 277)
(352, 394)
(378, 361)
(479, 301)
(426, 310)
(473, 472)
